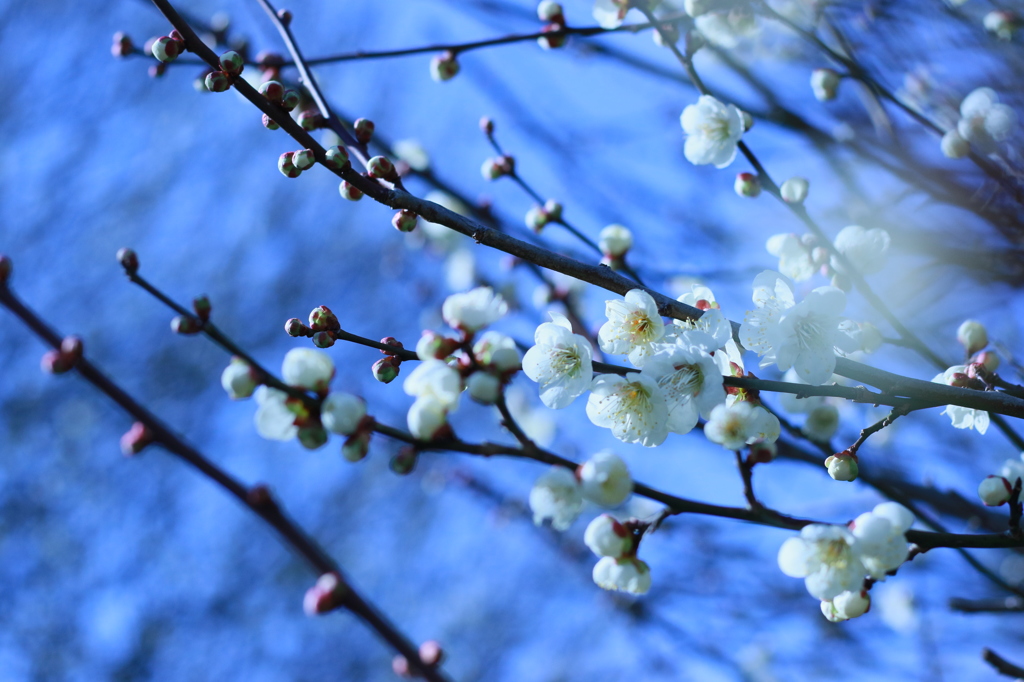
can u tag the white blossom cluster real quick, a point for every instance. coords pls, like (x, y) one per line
(835, 560)
(985, 124)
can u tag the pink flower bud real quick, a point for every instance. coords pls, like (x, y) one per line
(122, 46)
(129, 260)
(217, 81)
(310, 119)
(444, 66)
(989, 360)
(431, 652)
(336, 158)
(326, 595)
(136, 439)
(363, 129)
(287, 168)
(232, 63)
(404, 220)
(303, 159)
(290, 100)
(487, 126)
(390, 341)
(386, 370)
(71, 348)
(747, 185)
(285, 16)
(323, 339)
(323, 318)
(552, 42)
(166, 49)
(380, 167)
(54, 362)
(157, 70)
(350, 191)
(294, 327)
(273, 91)
(269, 123)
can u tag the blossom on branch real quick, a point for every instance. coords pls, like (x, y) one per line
(557, 496)
(984, 121)
(690, 381)
(633, 407)
(609, 13)
(713, 130)
(634, 323)
(962, 417)
(826, 557)
(864, 249)
(605, 479)
(561, 362)
(474, 309)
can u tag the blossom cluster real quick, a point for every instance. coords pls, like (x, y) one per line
(835, 560)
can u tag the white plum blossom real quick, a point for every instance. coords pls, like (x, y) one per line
(984, 121)
(626, 574)
(605, 480)
(633, 325)
(561, 362)
(556, 495)
(426, 417)
(726, 29)
(881, 538)
(846, 606)
(632, 406)
(690, 381)
(821, 423)
(954, 146)
(796, 259)
(274, 421)
(826, 557)
(962, 417)
(605, 536)
(865, 249)
(307, 368)
(474, 309)
(437, 380)
(610, 13)
(804, 335)
(483, 387)
(237, 379)
(615, 240)
(731, 426)
(712, 131)
(342, 412)
(714, 325)
(994, 491)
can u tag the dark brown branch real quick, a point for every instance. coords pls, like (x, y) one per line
(1007, 605)
(1002, 665)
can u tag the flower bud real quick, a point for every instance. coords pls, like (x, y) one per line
(852, 604)
(342, 413)
(821, 423)
(217, 81)
(794, 190)
(122, 46)
(326, 595)
(294, 327)
(605, 480)
(748, 120)
(537, 218)
(548, 10)
(363, 129)
(303, 159)
(404, 220)
(972, 336)
(487, 125)
(954, 146)
(989, 360)
(312, 437)
(553, 209)
(356, 446)
(431, 652)
(310, 119)
(386, 370)
(323, 318)
(166, 49)
(426, 419)
(238, 379)
(497, 166)
(615, 241)
(136, 439)
(336, 158)
(287, 168)
(994, 491)
(552, 42)
(55, 362)
(762, 452)
(842, 466)
(323, 339)
(349, 191)
(273, 91)
(825, 83)
(605, 536)
(202, 307)
(232, 63)
(747, 185)
(434, 346)
(483, 387)
(186, 324)
(444, 66)
(289, 100)
(157, 70)
(380, 167)
(1001, 23)
(129, 260)
(269, 123)
(404, 462)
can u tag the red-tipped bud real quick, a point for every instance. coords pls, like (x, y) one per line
(363, 128)
(404, 220)
(285, 16)
(310, 119)
(444, 66)
(326, 595)
(166, 49)
(356, 446)
(390, 341)
(487, 125)
(287, 168)
(747, 185)
(431, 652)
(217, 81)
(295, 327)
(380, 167)
(552, 42)
(232, 63)
(71, 348)
(129, 260)
(290, 100)
(323, 318)
(259, 496)
(336, 158)
(323, 339)
(122, 46)
(350, 191)
(404, 462)
(386, 370)
(273, 91)
(54, 362)
(303, 159)
(269, 123)
(400, 666)
(183, 324)
(202, 307)
(136, 439)
(176, 35)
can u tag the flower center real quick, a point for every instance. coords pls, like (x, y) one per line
(565, 361)
(811, 332)
(835, 553)
(686, 381)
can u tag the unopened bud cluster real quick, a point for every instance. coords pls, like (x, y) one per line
(277, 95)
(552, 13)
(387, 368)
(497, 166)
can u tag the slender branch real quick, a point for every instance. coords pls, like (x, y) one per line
(256, 499)
(746, 468)
(1007, 605)
(1002, 665)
